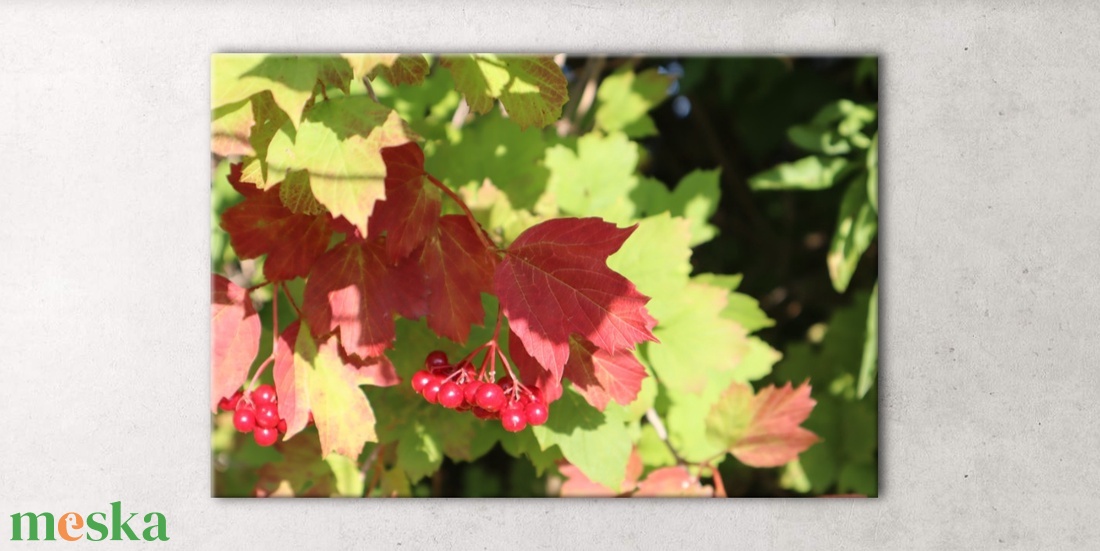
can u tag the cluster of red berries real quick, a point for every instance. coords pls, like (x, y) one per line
(458, 387)
(257, 414)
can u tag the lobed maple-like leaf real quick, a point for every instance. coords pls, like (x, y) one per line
(533, 89)
(576, 484)
(410, 210)
(458, 269)
(355, 290)
(291, 381)
(341, 411)
(340, 143)
(672, 482)
(601, 376)
(234, 337)
(289, 78)
(395, 68)
(262, 224)
(762, 430)
(554, 282)
(230, 126)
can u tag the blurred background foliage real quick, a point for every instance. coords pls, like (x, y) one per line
(774, 163)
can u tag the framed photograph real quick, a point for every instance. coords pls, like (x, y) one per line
(560, 275)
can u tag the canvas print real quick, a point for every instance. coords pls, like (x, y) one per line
(488, 275)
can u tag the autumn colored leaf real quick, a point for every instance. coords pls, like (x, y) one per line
(344, 418)
(601, 376)
(578, 485)
(458, 269)
(411, 207)
(301, 473)
(230, 126)
(377, 371)
(533, 373)
(554, 282)
(262, 224)
(353, 288)
(236, 179)
(672, 482)
(235, 337)
(291, 381)
(395, 68)
(289, 78)
(533, 89)
(340, 143)
(762, 430)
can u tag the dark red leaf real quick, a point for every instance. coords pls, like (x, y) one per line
(532, 373)
(354, 289)
(554, 282)
(458, 269)
(409, 213)
(244, 188)
(261, 225)
(235, 337)
(601, 376)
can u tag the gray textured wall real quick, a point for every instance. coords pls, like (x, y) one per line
(990, 232)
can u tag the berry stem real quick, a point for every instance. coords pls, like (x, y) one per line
(469, 215)
(274, 341)
(719, 486)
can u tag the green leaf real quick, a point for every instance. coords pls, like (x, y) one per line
(729, 282)
(814, 172)
(492, 148)
(418, 451)
(597, 179)
(757, 362)
(746, 311)
(653, 451)
(531, 88)
(857, 226)
(349, 483)
(596, 442)
(657, 259)
(695, 198)
(872, 172)
(868, 369)
(524, 444)
(625, 97)
(340, 144)
(291, 79)
(818, 139)
(695, 340)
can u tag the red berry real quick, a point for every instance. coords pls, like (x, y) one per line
(245, 418)
(265, 436)
(281, 426)
(431, 391)
(421, 379)
(537, 413)
(264, 395)
(482, 414)
(513, 418)
(267, 416)
(450, 395)
(469, 392)
(437, 358)
(230, 403)
(490, 397)
(463, 407)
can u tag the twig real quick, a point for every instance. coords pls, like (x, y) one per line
(719, 486)
(370, 89)
(366, 467)
(459, 118)
(662, 433)
(469, 215)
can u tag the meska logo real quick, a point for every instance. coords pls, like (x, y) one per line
(70, 526)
